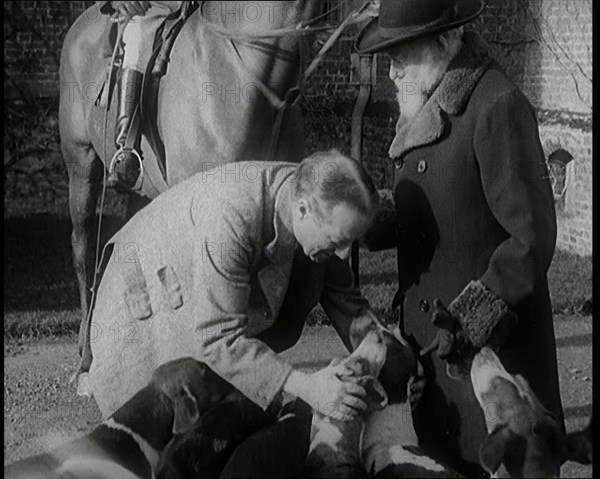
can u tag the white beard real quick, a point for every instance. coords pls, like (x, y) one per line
(415, 88)
(409, 103)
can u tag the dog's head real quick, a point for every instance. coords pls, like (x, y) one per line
(524, 438)
(399, 364)
(207, 446)
(191, 387)
(363, 367)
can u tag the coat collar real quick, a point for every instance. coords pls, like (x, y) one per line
(451, 96)
(284, 239)
(274, 276)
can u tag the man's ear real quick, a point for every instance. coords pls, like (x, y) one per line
(493, 449)
(186, 413)
(442, 41)
(302, 208)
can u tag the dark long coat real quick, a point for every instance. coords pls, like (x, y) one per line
(477, 229)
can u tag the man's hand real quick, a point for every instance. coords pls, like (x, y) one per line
(417, 387)
(333, 396)
(127, 9)
(451, 343)
(327, 393)
(445, 337)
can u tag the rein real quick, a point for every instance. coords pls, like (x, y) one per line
(293, 94)
(85, 361)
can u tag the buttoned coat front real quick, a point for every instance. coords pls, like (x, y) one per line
(476, 220)
(211, 269)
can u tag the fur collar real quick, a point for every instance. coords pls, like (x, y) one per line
(451, 96)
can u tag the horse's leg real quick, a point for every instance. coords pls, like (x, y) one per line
(85, 178)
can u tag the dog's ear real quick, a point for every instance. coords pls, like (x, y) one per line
(380, 397)
(376, 397)
(523, 385)
(360, 327)
(186, 412)
(493, 448)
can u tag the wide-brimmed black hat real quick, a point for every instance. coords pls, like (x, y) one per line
(400, 21)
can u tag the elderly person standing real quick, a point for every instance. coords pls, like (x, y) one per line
(476, 225)
(225, 267)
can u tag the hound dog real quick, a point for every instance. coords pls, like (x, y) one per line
(524, 438)
(128, 444)
(383, 442)
(236, 438)
(203, 450)
(335, 445)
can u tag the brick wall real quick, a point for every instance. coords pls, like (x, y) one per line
(33, 37)
(545, 46)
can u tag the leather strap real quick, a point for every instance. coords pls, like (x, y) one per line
(134, 130)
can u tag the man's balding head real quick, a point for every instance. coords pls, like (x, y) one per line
(328, 178)
(334, 203)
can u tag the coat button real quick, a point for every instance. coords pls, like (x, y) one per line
(398, 163)
(422, 166)
(424, 305)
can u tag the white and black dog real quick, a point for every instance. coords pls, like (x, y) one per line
(383, 441)
(524, 438)
(129, 443)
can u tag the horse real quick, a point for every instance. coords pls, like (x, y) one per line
(217, 103)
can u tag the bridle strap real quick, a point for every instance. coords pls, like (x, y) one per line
(293, 94)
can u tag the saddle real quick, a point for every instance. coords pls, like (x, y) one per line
(144, 120)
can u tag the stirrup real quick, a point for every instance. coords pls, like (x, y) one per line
(123, 149)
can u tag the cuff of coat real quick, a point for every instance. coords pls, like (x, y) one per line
(480, 311)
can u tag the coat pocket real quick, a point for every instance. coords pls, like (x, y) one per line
(170, 286)
(136, 294)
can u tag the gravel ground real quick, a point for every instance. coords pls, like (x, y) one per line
(41, 410)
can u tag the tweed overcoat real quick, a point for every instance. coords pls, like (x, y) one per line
(475, 228)
(211, 269)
